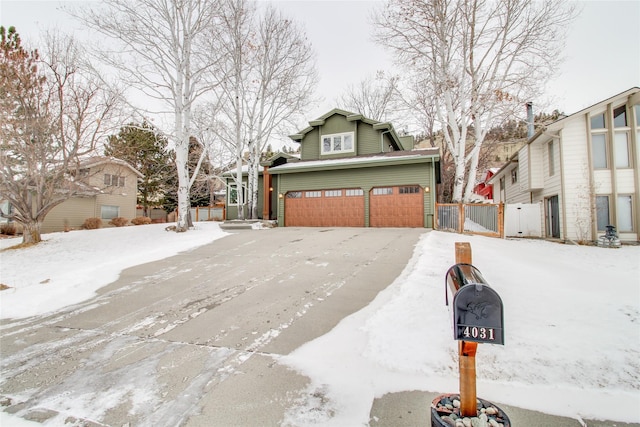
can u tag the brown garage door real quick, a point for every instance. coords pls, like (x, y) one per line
(401, 206)
(324, 208)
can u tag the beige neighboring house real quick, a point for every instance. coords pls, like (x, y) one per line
(584, 169)
(110, 190)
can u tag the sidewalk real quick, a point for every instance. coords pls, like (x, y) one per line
(413, 409)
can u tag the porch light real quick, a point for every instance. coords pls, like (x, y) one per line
(280, 196)
(270, 188)
(427, 189)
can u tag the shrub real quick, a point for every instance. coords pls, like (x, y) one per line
(92, 223)
(8, 228)
(141, 220)
(119, 221)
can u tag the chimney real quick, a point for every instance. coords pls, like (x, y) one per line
(529, 120)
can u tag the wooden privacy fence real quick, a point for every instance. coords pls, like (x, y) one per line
(474, 218)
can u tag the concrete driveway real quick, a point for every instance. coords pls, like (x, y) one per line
(190, 340)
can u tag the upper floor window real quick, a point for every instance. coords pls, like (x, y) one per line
(599, 150)
(337, 143)
(620, 117)
(514, 175)
(621, 150)
(597, 122)
(637, 108)
(113, 180)
(552, 160)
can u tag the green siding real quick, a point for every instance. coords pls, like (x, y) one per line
(310, 146)
(368, 139)
(337, 124)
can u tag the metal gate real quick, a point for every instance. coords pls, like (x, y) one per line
(484, 219)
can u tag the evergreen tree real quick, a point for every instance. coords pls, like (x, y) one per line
(146, 150)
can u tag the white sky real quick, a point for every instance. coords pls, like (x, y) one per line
(571, 316)
(602, 49)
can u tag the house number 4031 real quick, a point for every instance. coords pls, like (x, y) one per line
(477, 332)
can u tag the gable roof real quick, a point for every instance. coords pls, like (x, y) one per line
(351, 117)
(102, 160)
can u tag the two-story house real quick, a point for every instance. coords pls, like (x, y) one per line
(584, 169)
(352, 172)
(108, 188)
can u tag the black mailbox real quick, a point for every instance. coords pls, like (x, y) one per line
(477, 308)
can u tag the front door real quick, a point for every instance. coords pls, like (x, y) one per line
(552, 217)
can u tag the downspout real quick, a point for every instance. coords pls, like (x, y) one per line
(564, 190)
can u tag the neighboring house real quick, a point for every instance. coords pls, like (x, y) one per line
(584, 169)
(352, 172)
(484, 189)
(110, 190)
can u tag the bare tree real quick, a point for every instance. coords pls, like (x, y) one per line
(156, 46)
(270, 75)
(53, 115)
(373, 97)
(481, 59)
(286, 77)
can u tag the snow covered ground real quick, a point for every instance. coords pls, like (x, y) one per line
(572, 320)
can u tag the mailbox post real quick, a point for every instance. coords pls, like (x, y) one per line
(477, 318)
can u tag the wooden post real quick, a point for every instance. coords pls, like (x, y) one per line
(461, 223)
(466, 352)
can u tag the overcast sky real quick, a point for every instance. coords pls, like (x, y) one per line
(602, 48)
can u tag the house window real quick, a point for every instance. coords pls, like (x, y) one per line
(383, 191)
(637, 108)
(602, 212)
(621, 150)
(294, 195)
(414, 189)
(233, 194)
(597, 122)
(514, 175)
(552, 159)
(313, 194)
(620, 117)
(113, 180)
(333, 193)
(599, 150)
(109, 212)
(355, 192)
(83, 172)
(624, 213)
(337, 143)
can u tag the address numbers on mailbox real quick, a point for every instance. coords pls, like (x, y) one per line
(477, 308)
(477, 314)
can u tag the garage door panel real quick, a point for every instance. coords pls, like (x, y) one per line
(402, 206)
(335, 210)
